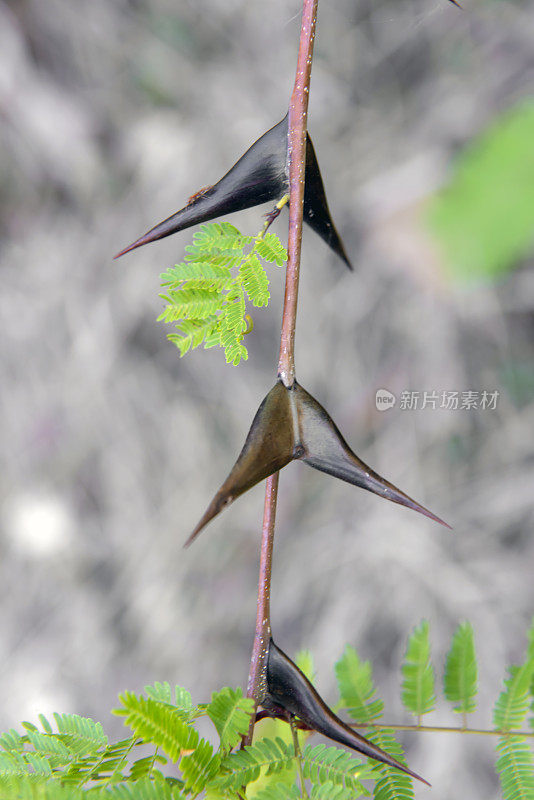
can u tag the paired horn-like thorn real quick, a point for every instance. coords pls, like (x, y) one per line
(268, 447)
(260, 176)
(326, 450)
(289, 425)
(289, 688)
(316, 212)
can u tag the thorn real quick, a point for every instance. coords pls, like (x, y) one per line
(258, 177)
(288, 688)
(291, 425)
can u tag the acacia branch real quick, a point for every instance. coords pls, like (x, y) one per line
(256, 687)
(298, 116)
(298, 119)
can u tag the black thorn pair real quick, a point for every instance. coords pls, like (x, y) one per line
(291, 425)
(260, 176)
(289, 692)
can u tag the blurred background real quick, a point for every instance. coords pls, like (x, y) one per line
(113, 114)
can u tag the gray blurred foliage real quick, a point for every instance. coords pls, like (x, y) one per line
(113, 113)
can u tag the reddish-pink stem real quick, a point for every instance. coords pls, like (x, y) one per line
(298, 119)
(298, 116)
(256, 680)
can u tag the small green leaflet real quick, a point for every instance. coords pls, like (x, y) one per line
(157, 722)
(230, 712)
(513, 702)
(304, 661)
(240, 768)
(206, 294)
(355, 681)
(460, 679)
(515, 768)
(515, 765)
(418, 693)
(358, 695)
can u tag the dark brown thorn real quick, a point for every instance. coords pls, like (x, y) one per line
(268, 447)
(291, 425)
(288, 688)
(324, 448)
(259, 176)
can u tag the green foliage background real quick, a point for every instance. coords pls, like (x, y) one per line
(76, 760)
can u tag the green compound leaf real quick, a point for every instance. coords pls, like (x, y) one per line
(255, 281)
(79, 752)
(193, 332)
(339, 767)
(13, 764)
(323, 791)
(146, 767)
(144, 789)
(358, 696)
(158, 723)
(80, 734)
(233, 316)
(279, 792)
(355, 681)
(241, 768)
(12, 741)
(52, 748)
(34, 787)
(390, 783)
(199, 274)
(38, 764)
(47, 727)
(460, 679)
(329, 791)
(515, 768)
(271, 249)
(106, 764)
(484, 219)
(218, 236)
(206, 294)
(512, 704)
(230, 712)
(304, 661)
(180, 698)
(514, 764)
(234, 350)
(198, 304)
(200, 766)
(418, 693)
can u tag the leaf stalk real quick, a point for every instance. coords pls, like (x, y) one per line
(439, 729)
